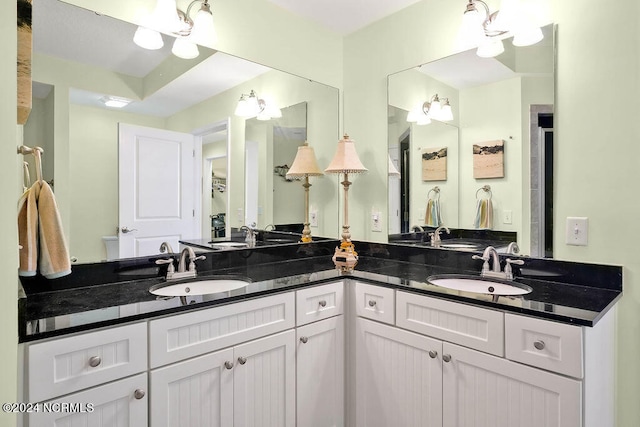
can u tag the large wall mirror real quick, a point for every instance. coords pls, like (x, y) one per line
(496, 144)
(82, 58)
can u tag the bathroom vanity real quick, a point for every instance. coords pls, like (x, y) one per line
(302, 345)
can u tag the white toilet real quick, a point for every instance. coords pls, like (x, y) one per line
(111, 244)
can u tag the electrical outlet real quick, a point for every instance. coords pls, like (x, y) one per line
(376, 222)
(313, 218)
(577, 231)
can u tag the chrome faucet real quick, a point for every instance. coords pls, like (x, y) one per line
(250, 234)
(182, 272)
(513, 248)
(166, 247)
(490, 254)
(417, 228)
(435, 236)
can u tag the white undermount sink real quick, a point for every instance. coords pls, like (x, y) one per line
(478, 285)
(229, 245)
(201, 287)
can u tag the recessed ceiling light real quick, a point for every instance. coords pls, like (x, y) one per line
(115, 102)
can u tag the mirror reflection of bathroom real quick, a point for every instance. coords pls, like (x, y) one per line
(215, 162)
(272, 199)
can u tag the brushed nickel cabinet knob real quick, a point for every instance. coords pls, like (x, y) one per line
(539, 345)
(139, 394)
(95, 361)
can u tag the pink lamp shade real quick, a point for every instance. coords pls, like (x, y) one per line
(346, 158)
(305, 163)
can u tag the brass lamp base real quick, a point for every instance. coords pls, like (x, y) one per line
(345, 258)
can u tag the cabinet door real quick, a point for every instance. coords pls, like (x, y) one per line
(264, 382)
(481, 390)
(121, 403)
(398, 377)
(320, 373)
(194, 393)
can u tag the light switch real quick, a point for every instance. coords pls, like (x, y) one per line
(507, 216)
(376, 222)
(313, 218)
(577, 231)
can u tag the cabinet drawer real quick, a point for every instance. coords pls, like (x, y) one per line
(462, 324)
(121, 403)
(319, 302)
(66, 365)
(375, 302)
(191, 334)
(548, 345)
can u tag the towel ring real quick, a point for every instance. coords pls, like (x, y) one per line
(486, 189)
(435, 190)
(37, 154)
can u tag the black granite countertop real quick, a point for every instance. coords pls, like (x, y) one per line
(566, 292)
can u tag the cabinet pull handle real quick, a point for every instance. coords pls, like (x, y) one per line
(446, 358)
(228, 365)
(95, 361)
(304, 340)
(539, 345)
(433, 354)
(322, 303)
(242, 360)
(139, 393)
(372, 303)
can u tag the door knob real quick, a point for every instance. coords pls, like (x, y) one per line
(126, 230)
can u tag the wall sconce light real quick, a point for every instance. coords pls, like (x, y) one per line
(345, 161)
(252, 106)
(169, 19)
(483, 29)
(435, 108)
(304, 166)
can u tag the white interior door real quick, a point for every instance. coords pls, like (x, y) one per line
(157, 188)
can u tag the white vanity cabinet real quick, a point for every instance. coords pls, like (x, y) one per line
(448, 364)
(398, 377)
(96, 362)
(320, 356)
(120, 403)
(240, 367)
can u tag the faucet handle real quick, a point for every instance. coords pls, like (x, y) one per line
(485, 265)
(192, 264)
(169, 261)
(507, 268)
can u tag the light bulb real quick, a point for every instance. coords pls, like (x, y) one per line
(471, 31)
(446, 114)
(165, 16)
(527, 36)
(242, 109)
(253, 106)
(204, 31)
(148, 38)
(490, 48)
(184, 48)
(424, 120)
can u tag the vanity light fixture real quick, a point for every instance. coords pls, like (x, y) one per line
(252, 106)
(115, 102)
(345, 161)
(167, 18)
(305, 165)
(485, 29)
(436, 108)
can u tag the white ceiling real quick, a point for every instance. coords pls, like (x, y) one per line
(344, 16)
